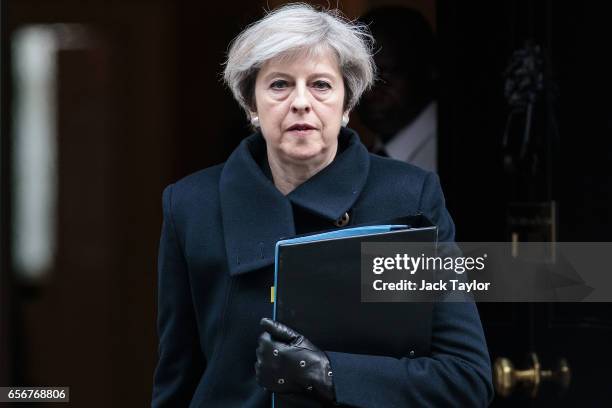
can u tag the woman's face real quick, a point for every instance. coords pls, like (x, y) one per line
(300, 105)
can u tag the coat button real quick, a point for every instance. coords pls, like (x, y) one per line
(342, 221)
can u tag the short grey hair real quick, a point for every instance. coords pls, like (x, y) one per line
(295, 28)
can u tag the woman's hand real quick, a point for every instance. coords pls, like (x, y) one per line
(287, 362)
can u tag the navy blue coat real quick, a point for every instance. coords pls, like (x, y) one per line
(215, 273)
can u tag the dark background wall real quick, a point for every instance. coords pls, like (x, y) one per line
(143, 106)
(89, 323)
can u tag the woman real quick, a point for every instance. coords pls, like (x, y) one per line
(297, 73)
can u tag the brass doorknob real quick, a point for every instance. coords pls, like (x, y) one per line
(508, 379)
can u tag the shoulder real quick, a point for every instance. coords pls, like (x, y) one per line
(201, 180)
(403, 177)
(393, 165)
(195, 191)
(410, 186)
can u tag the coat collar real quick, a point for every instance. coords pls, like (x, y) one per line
(256, 215)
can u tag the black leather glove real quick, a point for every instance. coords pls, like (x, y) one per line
(288, 363)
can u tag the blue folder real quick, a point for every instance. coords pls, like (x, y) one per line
(337, 234)
(317, 292)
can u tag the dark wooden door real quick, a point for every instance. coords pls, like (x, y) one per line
(477, 40)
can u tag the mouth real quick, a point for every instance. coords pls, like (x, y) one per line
(301, 127)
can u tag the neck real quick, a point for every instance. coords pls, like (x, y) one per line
(288, 176)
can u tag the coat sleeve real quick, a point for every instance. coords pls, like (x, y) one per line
(456, 374)
(180, 361)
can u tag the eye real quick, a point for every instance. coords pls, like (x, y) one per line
(278, 84)
(321, 85)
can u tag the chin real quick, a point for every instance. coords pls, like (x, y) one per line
(302, 156)
(304, 153)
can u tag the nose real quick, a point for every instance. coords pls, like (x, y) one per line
(301, 102)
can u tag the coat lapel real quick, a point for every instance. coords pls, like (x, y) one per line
(256, 215)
